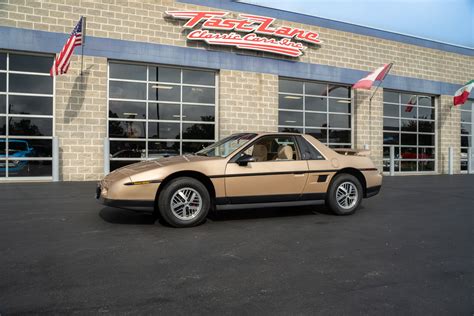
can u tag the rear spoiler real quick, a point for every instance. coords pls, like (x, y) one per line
(351, 152)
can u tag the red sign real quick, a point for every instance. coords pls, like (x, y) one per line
(253, 25)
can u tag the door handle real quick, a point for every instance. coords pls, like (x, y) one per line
(299, 174)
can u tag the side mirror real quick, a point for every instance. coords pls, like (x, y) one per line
(244, 160)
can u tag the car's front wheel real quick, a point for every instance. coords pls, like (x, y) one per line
(184, 202)
(344, 195)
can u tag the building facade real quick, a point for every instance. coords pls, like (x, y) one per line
(146, 88)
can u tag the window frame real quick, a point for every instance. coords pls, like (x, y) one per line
(6, 115)
(327, 113)
(398, 160)
(147, 103)
(470, 134)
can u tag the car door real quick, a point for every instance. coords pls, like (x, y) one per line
(277, 174)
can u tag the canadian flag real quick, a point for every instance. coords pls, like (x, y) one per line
(377, 75)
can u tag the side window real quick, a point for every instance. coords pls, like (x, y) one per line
(274, 148)
(308, 151)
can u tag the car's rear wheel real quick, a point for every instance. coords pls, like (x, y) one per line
(184, 202)
(344, 195)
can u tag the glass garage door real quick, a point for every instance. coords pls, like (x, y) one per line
(26, 116)
(409, 124)
(467, 129)
(319, 109)
(158, 111)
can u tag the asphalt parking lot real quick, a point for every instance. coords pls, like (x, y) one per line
(408, 251)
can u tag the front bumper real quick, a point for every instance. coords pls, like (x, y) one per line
(139, 205)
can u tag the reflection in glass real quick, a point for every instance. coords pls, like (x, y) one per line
(3, 104)
(127, 109)
(408, 111)
(290, 129)
(3, 127)
(340, 106)
(198, 77)
(466, 141)
(408, 165)
(198, 113)
(127, 149)
(290, 86)
(198, 131)
(191, 148)
(30, 126)
(157, 149)
(3, 61)
(426, 166)
(392, 97)
(30, 63)
(426, 153)
(198, 94)
(315, 104)
(30, 105)
(426, 127)
(408, 139)
(290, 102)
(409, 125)
(391, 124)
(127, 90)
(127, 71)
(163, 130)
(320, 134)
(408, 153)
(115, 164)
(290, 118)
(391, 109)
(339, 91)
(386, 152)
(316, 119)
(32, 168)
(427, 140)
(163, 92)
(163, 111)
(426, 113)
(339, 136)
(466, 116)
(425, 100)
(127, 129)
(30, 84)
(316, 88)
(3, 82)
(165, 74)
(391, 138)
(24, 148)
(336, 120)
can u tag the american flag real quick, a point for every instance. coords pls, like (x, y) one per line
(63, 59)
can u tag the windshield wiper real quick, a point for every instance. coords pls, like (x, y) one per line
(200, 154)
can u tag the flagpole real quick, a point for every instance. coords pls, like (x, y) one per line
(370, 106)
(83, 42)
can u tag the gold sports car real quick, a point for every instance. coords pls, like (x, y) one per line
(245, 170)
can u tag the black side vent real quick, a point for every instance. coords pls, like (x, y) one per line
(322, 178)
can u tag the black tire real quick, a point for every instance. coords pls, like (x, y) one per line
(331, 197)
(164, 202)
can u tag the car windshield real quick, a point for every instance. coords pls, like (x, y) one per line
(226, 146)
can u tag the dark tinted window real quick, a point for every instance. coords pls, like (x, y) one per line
(127, 90)
(163, 130)
(127, 109)
(31, 84)
(165, 74)
(3, 61)
(29, 63)
(3, 82)
(198, 131)
(127, 129)
(163, 111)
(290, 102)
(164, 92)
(30, 126)
(198, 77)
(198, 94)
(126, 71)
(30, 105)
(290, 86)
(198, 113)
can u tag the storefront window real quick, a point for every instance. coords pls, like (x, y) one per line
(467, 130)
(319, 109)
(409, 125)
(26, 116)
(158, 111)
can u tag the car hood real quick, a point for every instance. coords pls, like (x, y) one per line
(148, 165)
